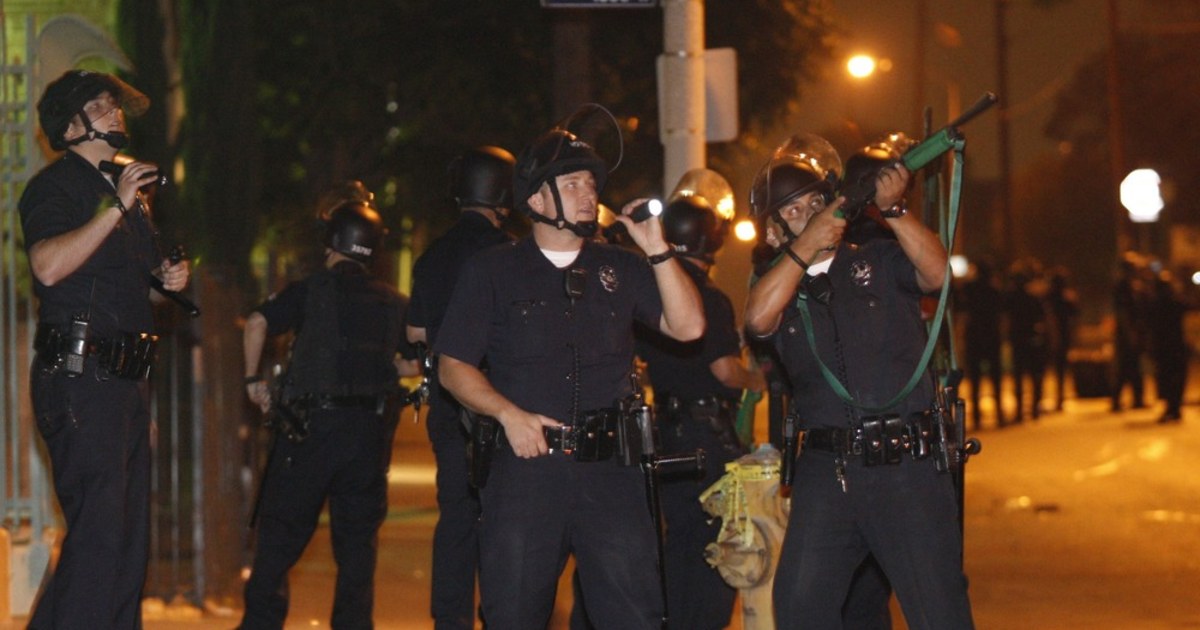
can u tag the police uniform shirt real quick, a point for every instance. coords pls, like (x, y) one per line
(436, 271)
(112, 286)
(284, 311)
(510, 307)
(681, 369)
(870, 336)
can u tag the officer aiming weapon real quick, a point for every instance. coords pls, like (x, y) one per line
(860, 192)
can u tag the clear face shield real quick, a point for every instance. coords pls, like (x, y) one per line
(590, 138)
(804, 163)
(708, 184)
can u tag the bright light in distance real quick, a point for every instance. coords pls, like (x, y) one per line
(1196, 278)
(861, 66)
(725, 208)
(958, 266)
(745, 231)
(1141, 195)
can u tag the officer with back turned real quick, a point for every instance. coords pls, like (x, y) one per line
(552, 316)
(696, 390)
(866, 482)
(481, 184)
(90, 244)
(339, 394)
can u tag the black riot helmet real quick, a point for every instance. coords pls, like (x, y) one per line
(483, 177)
(697, 216)
(864, 166)
(355, 230)
(65, 97)
(560, 151)
(804, 164)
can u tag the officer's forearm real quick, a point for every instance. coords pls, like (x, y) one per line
(731, 373)
(57, 257)
(254, 337)
(471, 387)
(683, 312)
(770, 295)
(923, 248)
(415, 334)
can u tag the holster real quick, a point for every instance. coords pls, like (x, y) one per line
(485, 433)
(288, 420)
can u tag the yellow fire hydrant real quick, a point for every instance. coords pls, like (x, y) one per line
(754, 518)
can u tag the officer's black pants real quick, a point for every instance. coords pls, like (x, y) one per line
(97, 436)
(538, 511)
(698, 597)
(344, 459)
(904, 514)
(456, 536)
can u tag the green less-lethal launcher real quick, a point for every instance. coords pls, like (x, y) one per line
(859, 193)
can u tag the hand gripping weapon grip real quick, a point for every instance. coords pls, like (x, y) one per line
(861, 192)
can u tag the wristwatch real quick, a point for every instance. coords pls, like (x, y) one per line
(897, 210)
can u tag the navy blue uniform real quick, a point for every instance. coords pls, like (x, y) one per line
(871, 336)
(559, 358)
(455, 538)
(346, 455)
(694, 410)
(96, 427)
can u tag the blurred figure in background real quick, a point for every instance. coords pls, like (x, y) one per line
(1027, 335)
(983, 304)
(1168, 344)
(1130, 304)
(1062, 304)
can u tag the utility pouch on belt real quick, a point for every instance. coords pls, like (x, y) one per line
(596, 437)
(635, 433)
(883, 439)
(485, 431)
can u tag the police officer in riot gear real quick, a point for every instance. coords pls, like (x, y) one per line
(552, 316)
(857, 491)
(481, 184)
(341, 388)
(696, 390)
(91, 250)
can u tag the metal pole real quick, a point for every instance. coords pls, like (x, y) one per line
(683, 124)
(1006, 209)
(1116, 140)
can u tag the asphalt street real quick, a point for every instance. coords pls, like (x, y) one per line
(1083, 519)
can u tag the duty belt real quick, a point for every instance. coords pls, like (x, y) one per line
(593, 439)
(696, 407)
(879, 440)
(329, 403)
(124, 355)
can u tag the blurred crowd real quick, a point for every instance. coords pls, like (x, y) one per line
(1021, 322)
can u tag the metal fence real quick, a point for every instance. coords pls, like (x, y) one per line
(178, 570)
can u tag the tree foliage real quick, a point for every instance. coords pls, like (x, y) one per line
(305, 94)
(1069, 202)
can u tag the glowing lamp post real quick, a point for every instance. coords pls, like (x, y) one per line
(1142, 196)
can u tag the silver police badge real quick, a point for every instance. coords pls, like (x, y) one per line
(608, 278)
(860, 272)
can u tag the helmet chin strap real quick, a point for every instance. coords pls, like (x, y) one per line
(788, 234)
(115, 139)
(582, 229)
